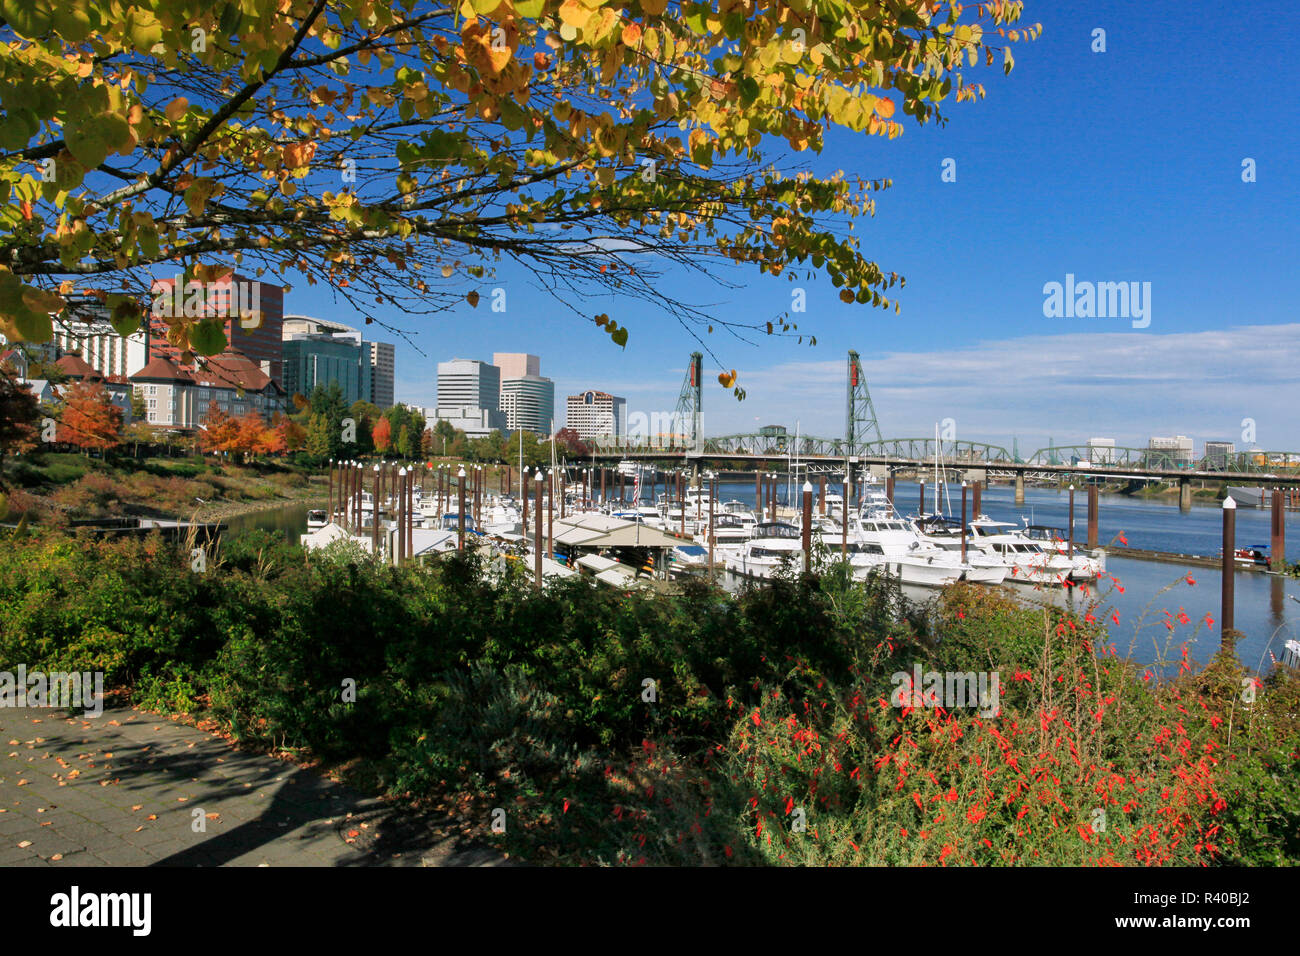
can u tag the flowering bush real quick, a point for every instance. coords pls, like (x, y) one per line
(687, 728)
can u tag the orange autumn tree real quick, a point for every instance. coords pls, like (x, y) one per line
(90, 420)
(218, 431)
(382, 435)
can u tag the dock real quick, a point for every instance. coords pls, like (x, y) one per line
(1174, 557)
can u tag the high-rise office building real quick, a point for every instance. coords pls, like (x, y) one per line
(594, 414)
(1101, 450)
(88, 333)
(1176, 450)
(527, 398)
(469, 396)
(528, 402)
(374, 383)
(516, 364)
(383, 362)
(321, 358)
(1217, 453)
(253, 314)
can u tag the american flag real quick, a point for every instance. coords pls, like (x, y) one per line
(636, 488)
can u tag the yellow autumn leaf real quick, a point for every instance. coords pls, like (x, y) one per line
(574, 13)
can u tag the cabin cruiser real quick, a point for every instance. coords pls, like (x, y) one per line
(729, 530)
(774, 544)
(945, 533)
(906, 556)
(1030, 562)
(1086, 566)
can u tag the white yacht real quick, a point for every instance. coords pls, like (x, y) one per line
(945, 533)
(774, 543)
(729, 530)
(1030, 562)
(905, 554)
(1085, 565)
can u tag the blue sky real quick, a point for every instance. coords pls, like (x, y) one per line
(1117, 166)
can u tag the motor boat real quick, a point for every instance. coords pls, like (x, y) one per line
(914, 561)
(1030, 562)
(1086, 566)
(773, 545)
(945, 533)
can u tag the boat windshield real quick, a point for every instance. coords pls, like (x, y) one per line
(771, 530)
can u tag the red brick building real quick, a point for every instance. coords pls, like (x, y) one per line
(229, 297)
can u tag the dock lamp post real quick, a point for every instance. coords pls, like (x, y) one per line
(1226, 601)
(374, 516)
(963, 522)
(713, 493)
(1070, 544)
(460, 517)
(523, 493)
(807, 526)
(402, 517)
(537, 533)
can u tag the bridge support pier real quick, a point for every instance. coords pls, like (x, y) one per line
(1184, 494)
(1020, 487)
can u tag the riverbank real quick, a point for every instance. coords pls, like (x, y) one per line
(686, 728)
(216, 511)
(51, 488)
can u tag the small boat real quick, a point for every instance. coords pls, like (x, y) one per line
(1254, 554)
(316, 519)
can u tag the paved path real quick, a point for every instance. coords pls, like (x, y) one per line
(127, 788)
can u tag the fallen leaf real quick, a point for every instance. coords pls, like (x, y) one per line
(25, 844)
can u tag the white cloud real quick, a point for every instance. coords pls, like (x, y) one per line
(1123, 385)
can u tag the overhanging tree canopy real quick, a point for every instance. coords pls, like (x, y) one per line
(398, 150)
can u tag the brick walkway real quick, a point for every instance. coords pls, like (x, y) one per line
(124, 789)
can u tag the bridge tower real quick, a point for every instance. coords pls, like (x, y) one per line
(862, 424)
(689, 404)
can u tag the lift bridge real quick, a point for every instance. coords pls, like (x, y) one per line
(681, 442)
